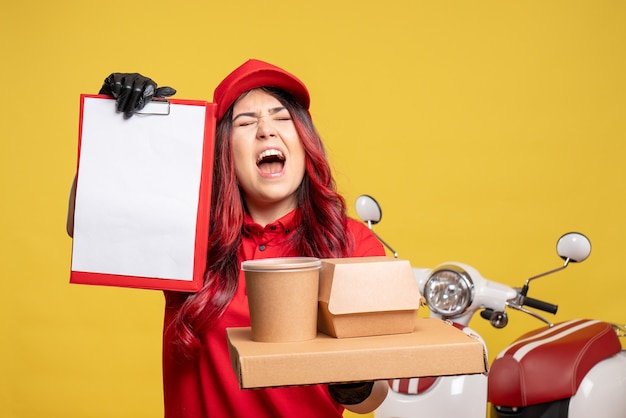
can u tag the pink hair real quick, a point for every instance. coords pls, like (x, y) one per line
(321, 232)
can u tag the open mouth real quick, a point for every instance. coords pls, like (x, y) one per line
(271, 161)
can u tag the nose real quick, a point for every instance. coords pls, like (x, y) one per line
(265, 128)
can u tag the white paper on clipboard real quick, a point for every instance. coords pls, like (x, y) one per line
(138, 191)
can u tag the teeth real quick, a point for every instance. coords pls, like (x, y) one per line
(270, 153)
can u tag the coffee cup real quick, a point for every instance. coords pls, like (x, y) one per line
(283, 298)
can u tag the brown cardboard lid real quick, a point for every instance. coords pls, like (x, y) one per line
(369, 284)
(282, 264)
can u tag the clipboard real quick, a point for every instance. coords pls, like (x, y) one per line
(143, 194)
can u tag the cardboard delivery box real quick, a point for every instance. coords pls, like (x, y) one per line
(367, 296)
(434, 348)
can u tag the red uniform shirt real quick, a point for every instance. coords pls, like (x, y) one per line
(207, 386)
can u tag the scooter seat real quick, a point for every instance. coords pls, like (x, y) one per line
(549, 363)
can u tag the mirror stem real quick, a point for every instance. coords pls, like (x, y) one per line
(395, 254)
(525, 288)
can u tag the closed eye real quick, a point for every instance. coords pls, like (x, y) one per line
(244, 121)
(249, 118)
(280, 114)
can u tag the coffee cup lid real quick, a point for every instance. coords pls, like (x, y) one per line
(282, 263)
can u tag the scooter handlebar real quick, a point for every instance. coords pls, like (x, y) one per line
(541, 305)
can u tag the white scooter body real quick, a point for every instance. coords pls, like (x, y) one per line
(450, 396)
(455, 292)
(602, 393)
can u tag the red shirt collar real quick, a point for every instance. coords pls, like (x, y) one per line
(286, 224)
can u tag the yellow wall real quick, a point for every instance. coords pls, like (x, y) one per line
(485, 129)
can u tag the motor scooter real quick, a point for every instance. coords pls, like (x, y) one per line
(572, 369)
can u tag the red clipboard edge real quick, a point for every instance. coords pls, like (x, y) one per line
(134, 282)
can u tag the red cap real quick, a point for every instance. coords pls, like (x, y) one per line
(253, 74)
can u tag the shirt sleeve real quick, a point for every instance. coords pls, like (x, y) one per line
(365, 242)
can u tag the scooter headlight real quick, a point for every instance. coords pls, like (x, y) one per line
(449, 291)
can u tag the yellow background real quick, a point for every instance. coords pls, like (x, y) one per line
(486, 129)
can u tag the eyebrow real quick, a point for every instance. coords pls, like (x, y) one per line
(271, 111)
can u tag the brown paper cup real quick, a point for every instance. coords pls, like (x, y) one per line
(282, 297)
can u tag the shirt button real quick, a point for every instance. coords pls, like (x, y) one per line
(262, 247)
(273, 227)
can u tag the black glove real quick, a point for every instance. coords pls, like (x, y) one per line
(350, 393)
(132, 91)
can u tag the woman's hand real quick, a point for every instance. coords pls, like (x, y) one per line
(132, 91)
(360, 397)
